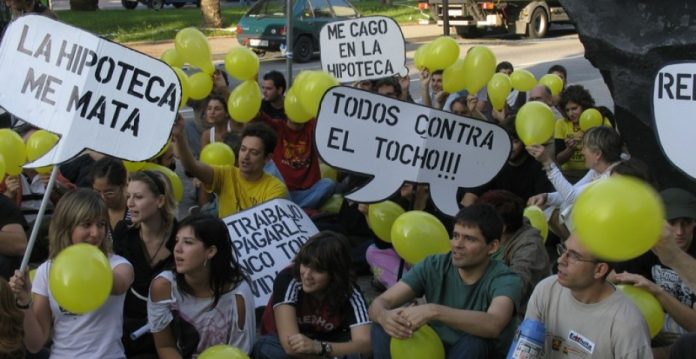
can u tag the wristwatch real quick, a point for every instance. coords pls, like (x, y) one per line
(326, 349)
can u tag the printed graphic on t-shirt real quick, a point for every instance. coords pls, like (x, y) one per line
(582, 341)
(296, 155)
(670, 281)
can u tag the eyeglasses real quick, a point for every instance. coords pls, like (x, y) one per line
(572, 255)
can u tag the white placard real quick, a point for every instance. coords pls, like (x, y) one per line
(674, 108)
(363, 49)
(265, 239)
(94, 93)
(397, 141)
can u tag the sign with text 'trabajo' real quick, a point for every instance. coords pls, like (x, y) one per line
(265, 239)
(397, 141)
(94, 93)
(363, 49)
(674, 106)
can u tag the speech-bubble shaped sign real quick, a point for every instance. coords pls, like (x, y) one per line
(397, 141)
(363, 49)
(265, 239)
(94, 93)
(674, 105)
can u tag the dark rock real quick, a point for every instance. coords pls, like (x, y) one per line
(629, 41)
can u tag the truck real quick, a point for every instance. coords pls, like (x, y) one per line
(470, 17)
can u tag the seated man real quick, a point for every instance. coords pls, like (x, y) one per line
(584, 315)
(471, 299)
(650, 272)
(13, 238)
(237, 188)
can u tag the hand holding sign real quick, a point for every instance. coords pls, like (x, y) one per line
(397, 141)
(362, 49)
(93, 93)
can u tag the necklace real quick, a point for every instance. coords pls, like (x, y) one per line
(151, 259)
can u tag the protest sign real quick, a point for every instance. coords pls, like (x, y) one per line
(397, 141)
(674, 103)
(265, 239)
(363, 49)
(94, 93)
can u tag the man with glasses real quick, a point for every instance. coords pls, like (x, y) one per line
(650, 272)
(584, 314)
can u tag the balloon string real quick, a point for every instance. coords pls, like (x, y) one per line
(39, 219)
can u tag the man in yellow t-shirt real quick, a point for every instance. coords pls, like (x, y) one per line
(238, 188)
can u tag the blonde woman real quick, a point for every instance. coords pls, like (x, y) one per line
(80, 217)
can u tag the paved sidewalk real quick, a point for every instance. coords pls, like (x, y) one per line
(221, 45)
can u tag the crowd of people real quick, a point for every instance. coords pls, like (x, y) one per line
(178, 289)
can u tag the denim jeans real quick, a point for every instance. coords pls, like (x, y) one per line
(315, 196)
(269, 347)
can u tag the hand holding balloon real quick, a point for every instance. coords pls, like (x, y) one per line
(395, 324)
(418, 315)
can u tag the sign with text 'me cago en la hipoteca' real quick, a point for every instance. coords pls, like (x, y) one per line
(95, 94)
(396, 141)
(365, 48)
(265, 239)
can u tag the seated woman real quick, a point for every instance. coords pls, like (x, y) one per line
(147, 242)
(80, 217)
(108, 177)
(316, 308)
(206, 300)
(601, 149)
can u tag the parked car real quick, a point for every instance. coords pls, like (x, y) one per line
(158, 4)
(263, 28)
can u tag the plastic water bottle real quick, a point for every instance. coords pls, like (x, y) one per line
(529, 341)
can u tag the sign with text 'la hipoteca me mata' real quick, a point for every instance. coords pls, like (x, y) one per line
(674, 106)
(94, 93)
(365, 48)
(265, 239)
(397, 141)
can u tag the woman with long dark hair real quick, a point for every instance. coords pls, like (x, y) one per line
(206, 300)
(316, 307)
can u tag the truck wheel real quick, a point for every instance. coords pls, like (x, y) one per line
(539, 24)
(130, 5)
(468, 32)
(303, 50)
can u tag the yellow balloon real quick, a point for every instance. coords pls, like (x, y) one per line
(293, 108)
(441, 53)
(172, 58)
(419, 56)
(381, 217)
(537, 219)
(242, 63)
(648, 305)
(2, 168)
(133, 166)
(590, 118)
(200, 85)
(38, 144)
(453, 79)
(479, 67)
(13, 149)
(183, 81)
(174, 180)
(553, 82)
(328, 171)
(333, 204)
(80, 278)
(244, 102)
(499, 88)
(193, 48)
(618, 218)
(222, 351)
(313, 89)
(535, 123)
(425, 343)
(523, 80)
(217, 154)
(300, 78)
(417, 234)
